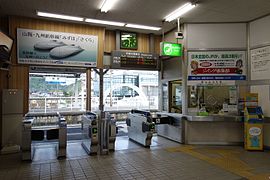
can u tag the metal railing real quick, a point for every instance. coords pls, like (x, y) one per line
(65, 104)
(53, 104)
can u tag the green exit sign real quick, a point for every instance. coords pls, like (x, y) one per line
(170, 49)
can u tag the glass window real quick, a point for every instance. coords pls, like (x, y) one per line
(126, 90)
(50, 92)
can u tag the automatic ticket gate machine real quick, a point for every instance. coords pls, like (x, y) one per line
(30, 134)
(90, 133)
(140, 127)
(253, 128)
(62, 137)
(98, 134)
(26, 138)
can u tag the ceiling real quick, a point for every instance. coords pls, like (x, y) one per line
(144, 12)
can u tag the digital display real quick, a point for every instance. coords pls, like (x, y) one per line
(170, 49)
(134, 60)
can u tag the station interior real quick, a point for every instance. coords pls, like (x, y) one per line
(113, 89)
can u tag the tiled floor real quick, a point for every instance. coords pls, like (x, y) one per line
(157, 162)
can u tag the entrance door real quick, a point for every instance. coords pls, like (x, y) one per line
(175, 96)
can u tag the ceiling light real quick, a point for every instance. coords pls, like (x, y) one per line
(143, 27)
(107, 5)
(96, 21)
(180, 11)
(59, 16)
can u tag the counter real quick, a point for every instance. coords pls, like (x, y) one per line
(213, 129)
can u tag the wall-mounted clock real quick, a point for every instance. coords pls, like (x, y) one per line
(128, 40)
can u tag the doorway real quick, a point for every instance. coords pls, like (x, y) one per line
(175, 96)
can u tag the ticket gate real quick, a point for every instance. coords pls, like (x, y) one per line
(62, 137)
(30, 134)
(90, 133)
(140, 127)
(99, 135)
(253, 128)
(169, 125)
(26, 138)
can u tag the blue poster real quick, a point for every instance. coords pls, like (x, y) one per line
(56, 48)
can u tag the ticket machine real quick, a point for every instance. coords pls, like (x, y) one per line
(253, 128)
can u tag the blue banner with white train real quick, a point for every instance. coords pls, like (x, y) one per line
(56, 48)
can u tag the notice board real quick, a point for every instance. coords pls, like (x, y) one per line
(216, 67)
(260, 63)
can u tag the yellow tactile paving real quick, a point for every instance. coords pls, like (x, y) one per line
(225, 158)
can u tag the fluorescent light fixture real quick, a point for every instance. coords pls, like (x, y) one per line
(107, 5)
(137, 26)
(179, 12)
(112, 23)
(59, 16)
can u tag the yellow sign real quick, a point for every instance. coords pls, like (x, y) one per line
(253, 136)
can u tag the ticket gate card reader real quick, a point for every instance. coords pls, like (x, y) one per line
(253, 128)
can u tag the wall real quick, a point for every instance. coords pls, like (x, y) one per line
(18, 75)
(172, 67)
(259, 32)
(217, 36)
(259, 37)
(3, 74)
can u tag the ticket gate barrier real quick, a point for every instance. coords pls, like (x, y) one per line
(253, 128)
(30, 134)
(140, 127)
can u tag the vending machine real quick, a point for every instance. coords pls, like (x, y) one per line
(253, 123)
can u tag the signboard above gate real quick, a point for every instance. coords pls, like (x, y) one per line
(134, 60)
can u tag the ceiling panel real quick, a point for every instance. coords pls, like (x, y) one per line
(150, 12)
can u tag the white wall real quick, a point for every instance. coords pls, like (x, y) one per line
(264, 97)
(260, 36)
(170, 37)
(215, 36)
(260, 32)
(172, 69)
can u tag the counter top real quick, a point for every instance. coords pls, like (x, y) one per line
(210, 118)
(215, 117)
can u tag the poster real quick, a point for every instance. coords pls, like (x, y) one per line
(260, 63)
(56, 48)
(216, 67)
